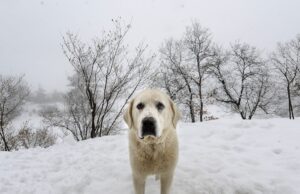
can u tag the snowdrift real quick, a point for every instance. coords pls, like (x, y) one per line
(227, 156)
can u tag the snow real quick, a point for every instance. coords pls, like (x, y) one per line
(225, 156)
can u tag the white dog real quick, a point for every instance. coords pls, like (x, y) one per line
(153, 146)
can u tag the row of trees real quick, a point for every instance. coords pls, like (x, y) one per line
(41, 96)
(194, 70)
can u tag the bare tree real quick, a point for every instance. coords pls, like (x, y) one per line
(243, 80)
(13, 93)
(199, 44)
(175, 76)
(286, 60)
(188, 60)
(105, 78)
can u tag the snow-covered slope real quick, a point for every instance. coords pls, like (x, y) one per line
(217, 157)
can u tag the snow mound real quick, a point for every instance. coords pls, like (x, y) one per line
(226, 156)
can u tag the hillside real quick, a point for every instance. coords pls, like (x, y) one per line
(226, 156)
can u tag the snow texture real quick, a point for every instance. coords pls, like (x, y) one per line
(226, 156)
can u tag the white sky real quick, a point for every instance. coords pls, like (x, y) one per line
(31, 30)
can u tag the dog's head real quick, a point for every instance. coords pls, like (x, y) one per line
(150, 113)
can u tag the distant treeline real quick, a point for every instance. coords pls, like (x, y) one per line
(41, 96)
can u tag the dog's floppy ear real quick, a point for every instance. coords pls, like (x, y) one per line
(128, 115)
(176, 113)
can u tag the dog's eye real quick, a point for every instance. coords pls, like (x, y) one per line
(160, 106)
(140, 106)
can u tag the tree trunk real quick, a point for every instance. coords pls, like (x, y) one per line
(6, 148)
(200, 87)
(192, 112)
(93, 130)
(291, 112)
(243, 116)
(191, 106)
(201, 102)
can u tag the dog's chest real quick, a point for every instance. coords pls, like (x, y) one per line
(153, 158)
(153, 153)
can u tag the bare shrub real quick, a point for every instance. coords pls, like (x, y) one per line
(27, 137)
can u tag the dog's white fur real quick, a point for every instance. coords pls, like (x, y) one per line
(152, 155)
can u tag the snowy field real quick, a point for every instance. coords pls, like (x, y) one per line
(226, 156)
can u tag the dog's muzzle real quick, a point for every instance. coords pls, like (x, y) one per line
(148, 127)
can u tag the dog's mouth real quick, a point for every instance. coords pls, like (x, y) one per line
(148, 127)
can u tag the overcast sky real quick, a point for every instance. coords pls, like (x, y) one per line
(31, 30)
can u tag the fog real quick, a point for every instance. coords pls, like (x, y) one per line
(31, 31)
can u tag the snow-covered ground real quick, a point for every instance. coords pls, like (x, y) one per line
(226, 156)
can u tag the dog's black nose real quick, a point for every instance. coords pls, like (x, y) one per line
(148, 126)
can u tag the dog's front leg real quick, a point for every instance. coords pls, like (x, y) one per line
(139, 184)
(165, 182)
